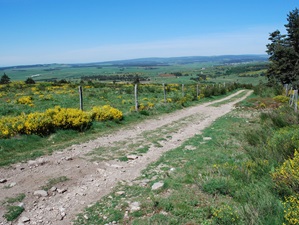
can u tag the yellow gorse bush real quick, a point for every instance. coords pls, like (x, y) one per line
(291, 209)
(286, 177)
(36, 123)
(106, 112)
(26, 100)
(225, 214)
(42, 123)
(281, 98)
(68, 118)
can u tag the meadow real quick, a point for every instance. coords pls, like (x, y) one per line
(187, 73)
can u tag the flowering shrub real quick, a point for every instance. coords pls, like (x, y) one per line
(36, 123)
(68, 118)
(225, 214)
(200, 96)
(10, 126)
(291, 209)
(106, 112)
(281, 98)
(286, 177)
(26, 100)
(43, 123)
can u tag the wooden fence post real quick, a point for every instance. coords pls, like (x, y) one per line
(81, 97)
(183, 93)
(197, 90)
(136, 98)
(286, 87)
(291, 97)
(296, 100)
(164, 91)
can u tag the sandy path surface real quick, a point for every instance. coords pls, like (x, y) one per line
(89, 180)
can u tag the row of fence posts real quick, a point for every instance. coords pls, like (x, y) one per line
(136, 94)
(293, 96)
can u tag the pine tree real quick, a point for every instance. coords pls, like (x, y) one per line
(4, 79)
(283, 53)
(29, 81)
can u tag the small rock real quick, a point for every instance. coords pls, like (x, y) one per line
(126, 216)
(207, 138)
(12, 184)
(68, 158)
(61, 191)
(164, 213)
(132, 157)
(24, 219)
(86, 217)
(190, 147)
(119, 193)
(21, 204)
(3, 181)
(32, 163)
(41, 193)
(41, 161)
(53, 189)
(157, 186)
(63, 214)
(134, 206)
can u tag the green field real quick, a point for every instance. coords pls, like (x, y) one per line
(188, 71)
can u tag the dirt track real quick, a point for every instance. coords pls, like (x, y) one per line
(91, 180)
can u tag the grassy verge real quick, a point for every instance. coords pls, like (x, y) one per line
(25, 147)
(212, 178)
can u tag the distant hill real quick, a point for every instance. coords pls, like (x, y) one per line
(156, 61)
(191, 59)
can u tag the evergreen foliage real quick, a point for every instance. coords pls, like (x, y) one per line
(284, 53)
(29, 81)
(4, 79)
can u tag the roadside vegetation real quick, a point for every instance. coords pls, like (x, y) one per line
(240, 170)
(39, 118)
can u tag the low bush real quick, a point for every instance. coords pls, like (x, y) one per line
(44, 123)
(106, 112)
(281, 98)
(286, 177)
(291, 209)
(283, 142)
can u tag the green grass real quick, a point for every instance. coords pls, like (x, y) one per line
(18, 198)
(13, 212)
(215, 183)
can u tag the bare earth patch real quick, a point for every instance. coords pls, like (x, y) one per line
(92, 169)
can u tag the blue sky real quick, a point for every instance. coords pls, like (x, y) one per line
(73, 31)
